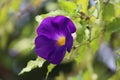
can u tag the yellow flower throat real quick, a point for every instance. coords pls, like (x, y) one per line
(61, 41)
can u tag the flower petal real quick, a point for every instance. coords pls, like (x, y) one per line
(57, 55)
(43, 46)
(54, 26)
(49, 32)
(47, 29)
(62, 22)
(71, 26)
(47, 49)
(45, 26)
(69, 42)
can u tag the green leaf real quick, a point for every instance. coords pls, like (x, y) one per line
(3, 14)
(95, 44)
(82, 50)
(68, 6)
(84, 4)
(117, 9)
(50, 67)
(32, 64)
(108, 12)
(114, 25)
(39, 18)
(80, 31)
(87, 75)
(95, 13)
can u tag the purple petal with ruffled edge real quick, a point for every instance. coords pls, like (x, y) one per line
(45, 25)
(47, 49)
(71, 26)
(62, 22)
(48, 29)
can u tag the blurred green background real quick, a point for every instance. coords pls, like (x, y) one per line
(17, 33)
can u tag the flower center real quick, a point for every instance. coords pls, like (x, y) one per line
(61, 41)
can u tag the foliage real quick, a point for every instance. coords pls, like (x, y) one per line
(96, 25)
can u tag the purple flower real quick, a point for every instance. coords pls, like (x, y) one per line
(54, 38)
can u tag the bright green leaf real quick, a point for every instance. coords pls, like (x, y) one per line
(114, 25)
(84, 4)
(80, 32)
(87, 75)
(50, 67)
(32, 64)
(68, 6)
(108, 12)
